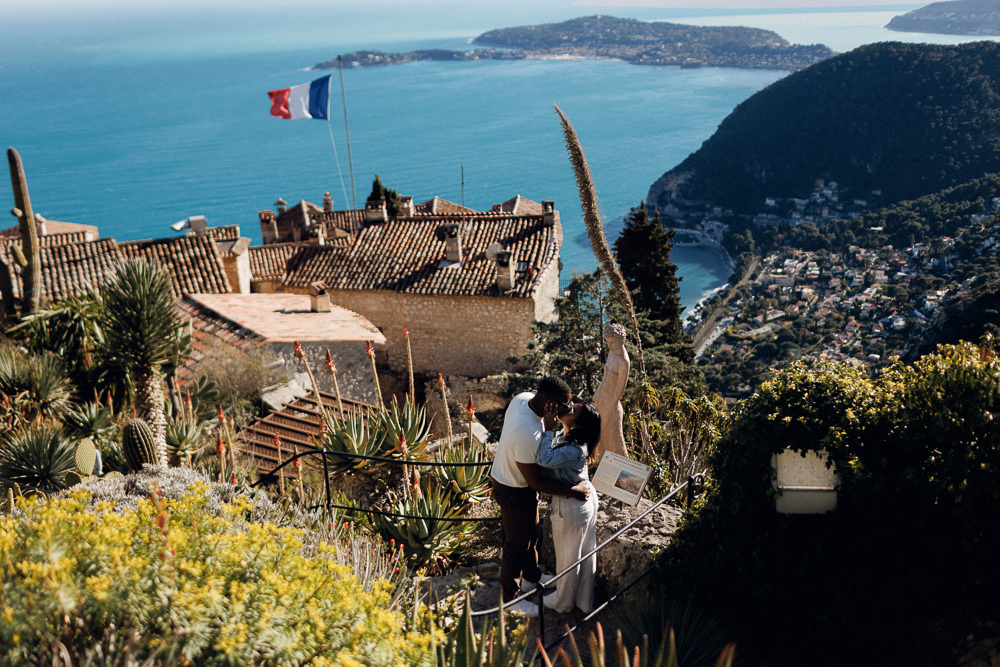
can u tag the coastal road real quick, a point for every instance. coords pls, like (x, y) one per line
(707, 333)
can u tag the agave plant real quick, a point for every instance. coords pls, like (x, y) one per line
(39, 380)
(352, 435)
(491, 647)
(427, 525)
(469, 483)
(186, 439)
(38, 456)
(403, 423)
(90, 420)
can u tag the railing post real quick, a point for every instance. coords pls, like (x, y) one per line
(541, 611)
(693, 482)
(326, 483)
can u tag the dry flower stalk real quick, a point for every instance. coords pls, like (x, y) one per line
(336, 385)
(409, 365)
(300, 353)
(595, 228)
(444, 399)
(378, 388)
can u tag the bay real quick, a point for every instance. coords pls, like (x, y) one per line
(133, 119)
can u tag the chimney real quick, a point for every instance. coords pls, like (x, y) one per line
(197, 224)
(452, 243)
(548, 212)
(319, 298)
(268, 227)
(327, 202)
(376, 213)
(40, 224)
(505, 270)
(281, 205)
(406, 208)
(300, 231)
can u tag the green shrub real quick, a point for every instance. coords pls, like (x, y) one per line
(174, 582)
(917, 450)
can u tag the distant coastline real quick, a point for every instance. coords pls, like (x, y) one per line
(606, 37)
(957, 17)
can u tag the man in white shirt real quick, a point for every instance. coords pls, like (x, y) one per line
(517, 481)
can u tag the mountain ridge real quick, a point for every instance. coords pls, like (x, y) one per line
(903, 119)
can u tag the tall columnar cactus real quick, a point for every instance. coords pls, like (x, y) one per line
(138, 445)
(31, 287)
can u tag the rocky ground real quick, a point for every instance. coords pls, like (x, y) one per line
(621, 561)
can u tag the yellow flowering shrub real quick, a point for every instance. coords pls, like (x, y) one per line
(175, 584)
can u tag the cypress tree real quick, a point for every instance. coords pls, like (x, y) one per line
(643, 253)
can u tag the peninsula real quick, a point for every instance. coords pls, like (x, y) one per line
(637, 42)
(957, 17)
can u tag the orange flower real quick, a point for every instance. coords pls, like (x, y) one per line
(329, 362)
(370, 349)
(470, 410)
(298, 351)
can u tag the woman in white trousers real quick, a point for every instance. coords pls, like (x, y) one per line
(574, 522)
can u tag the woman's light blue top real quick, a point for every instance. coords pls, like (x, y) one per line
(564, 459)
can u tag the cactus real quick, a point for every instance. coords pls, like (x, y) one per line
(137, 445)
(73, 478)
(31, 287)
(86, 457)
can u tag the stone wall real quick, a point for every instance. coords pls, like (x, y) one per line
(354, 370)
(470, 335)
(487, 398)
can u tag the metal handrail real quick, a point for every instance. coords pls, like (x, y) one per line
(326, 479)
(691, 483)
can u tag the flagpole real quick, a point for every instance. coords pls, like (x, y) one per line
(329, 127)
(347, 130)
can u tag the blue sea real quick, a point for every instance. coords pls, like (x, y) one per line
(132, 118)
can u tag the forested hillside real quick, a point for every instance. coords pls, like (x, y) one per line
(902, 119)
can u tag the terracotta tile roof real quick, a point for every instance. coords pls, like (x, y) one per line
(223, 233)
(70, 269)
(270, 261)
(66, 269)
(296, 424)
(349, 220)
(193, 263)
(49, 240)
(55, 228)
(518, 205)
(208, 330)
(337, 236)
(407, 255)
(438, 206)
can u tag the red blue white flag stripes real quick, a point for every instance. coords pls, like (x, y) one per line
(307, 100)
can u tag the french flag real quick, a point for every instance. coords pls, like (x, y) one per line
(308, 100)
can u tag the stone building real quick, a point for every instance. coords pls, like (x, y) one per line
(465, 286)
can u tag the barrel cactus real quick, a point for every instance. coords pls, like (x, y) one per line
(137, 445)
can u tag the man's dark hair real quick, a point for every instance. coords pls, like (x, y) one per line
(554, 387)
(587, 430)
